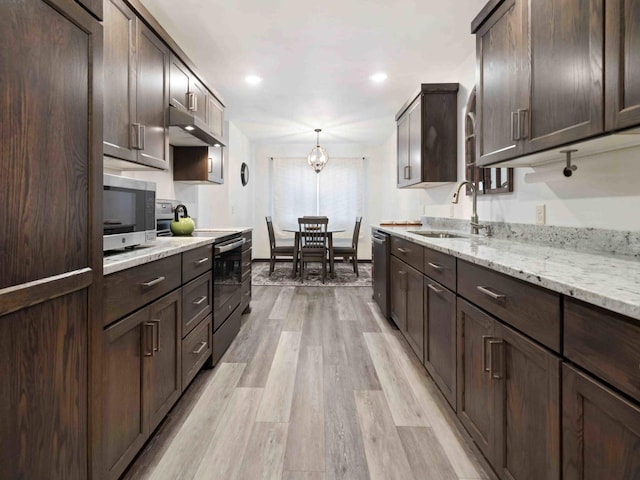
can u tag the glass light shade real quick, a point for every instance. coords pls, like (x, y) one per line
(318, 158)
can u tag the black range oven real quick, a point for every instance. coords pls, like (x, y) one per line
(227, 277)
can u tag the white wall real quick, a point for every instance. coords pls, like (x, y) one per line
(602, 193)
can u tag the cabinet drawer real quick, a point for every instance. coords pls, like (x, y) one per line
(222, 313)
(195, 262)
(223, 337)
(247, 240)
(407, 251)
(532, 310)
(246, 264)
(440, 267)
(196, 301)
(605, 343)
(196, 348)
(130, 289)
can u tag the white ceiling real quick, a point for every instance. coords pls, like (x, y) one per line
(316, 60)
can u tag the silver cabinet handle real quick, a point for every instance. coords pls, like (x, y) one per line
(435, 266)
(434, 288)
(198, 301)
(523, 131)
(156, 346)
(404, 250)
(485, 368)
(141, 137)
(192, 101)
(489, 293)
(148, 350)
(137, 142)
(201, 261)
(407, 172)
(379, 241)
(515, 130)
(202, 346)
(153, 282)
(495, 374)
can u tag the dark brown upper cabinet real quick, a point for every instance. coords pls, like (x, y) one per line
(622, 64)
(186, 91)
(198, 164)
(427, 136)
(540, 76)
(136, 89)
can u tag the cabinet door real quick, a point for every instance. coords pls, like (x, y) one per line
(527, 382)
(622, 68)
(415, 142)
(475, 387)
(127, 343)
(440, 337)
(403, 150)
(398, 276)
(500, 84)
(163, 369)
(120, 36)
(215, 116)
(201, 99)
(600, 429)
(566, 72)
(152, 99)
(415, 311)
(179, 84)
(215, 173)
(93, 6)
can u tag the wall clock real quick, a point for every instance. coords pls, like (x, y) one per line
(244, 174)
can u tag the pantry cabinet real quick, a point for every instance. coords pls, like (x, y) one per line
(540, 76)
(136, 93)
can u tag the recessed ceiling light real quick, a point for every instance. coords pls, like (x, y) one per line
(217, 145)
(378, 77)
(253, 79)
(189, 128)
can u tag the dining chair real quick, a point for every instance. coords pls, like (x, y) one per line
(275, 250)
(350, 252)
(313, 242)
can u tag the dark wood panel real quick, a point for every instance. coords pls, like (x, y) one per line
(45, 163)
(163, 369)
(439, 139)
(43, 403)
(38, 291)
(125, 291)
(403, 149)
(527, 382)
(125, 426)
(195, 262)
(196, 348)
(409, 252)
(415, 142)
(248, 236)
(532, 310)
(475, 388)
(246, 295)
(196, 301)
(566, 72)
(601, 431)
(152, 98)
(440, 338)
(501, 88)
(201, 100)
(178, 83)
(415, 312)
(398, 291)
(440, 267)
(120, 38)
(225, 334)
(622, 64)
(191, 164)
(604, 343)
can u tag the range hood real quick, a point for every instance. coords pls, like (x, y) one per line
(186, 130)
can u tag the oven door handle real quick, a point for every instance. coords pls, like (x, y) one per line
(225, 247)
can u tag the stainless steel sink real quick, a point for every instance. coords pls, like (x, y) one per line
(435, 234)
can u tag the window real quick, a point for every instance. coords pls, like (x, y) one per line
(337, 192)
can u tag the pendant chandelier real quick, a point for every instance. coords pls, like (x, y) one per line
(318, 157)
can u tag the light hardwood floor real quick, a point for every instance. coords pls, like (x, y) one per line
(317, 385)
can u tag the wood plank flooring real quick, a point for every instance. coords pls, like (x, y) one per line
(317, 386)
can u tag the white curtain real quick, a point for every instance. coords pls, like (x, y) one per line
(336, 192)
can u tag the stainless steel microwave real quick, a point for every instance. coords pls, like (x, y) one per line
(129, 212)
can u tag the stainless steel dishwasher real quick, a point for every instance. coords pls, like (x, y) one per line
(381, 249)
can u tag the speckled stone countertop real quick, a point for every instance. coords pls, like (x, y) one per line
(607, 281)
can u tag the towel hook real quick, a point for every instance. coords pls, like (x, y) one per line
(569, 169)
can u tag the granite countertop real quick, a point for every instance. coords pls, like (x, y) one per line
(611, 282)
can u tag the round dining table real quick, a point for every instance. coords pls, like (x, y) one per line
(296, 246)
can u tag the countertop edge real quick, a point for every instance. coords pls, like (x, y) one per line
(572, 290)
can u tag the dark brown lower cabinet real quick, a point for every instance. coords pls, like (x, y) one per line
(142, 375)
(440, 337)
(600, 430)
(508, 396)
(407, 303)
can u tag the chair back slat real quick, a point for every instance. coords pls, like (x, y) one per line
(272, 236)
(313, 232)
(356, 232)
